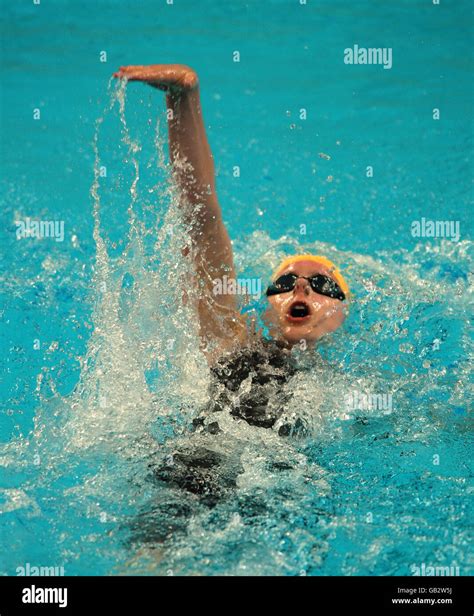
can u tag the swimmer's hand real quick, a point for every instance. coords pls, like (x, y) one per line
(167, 77)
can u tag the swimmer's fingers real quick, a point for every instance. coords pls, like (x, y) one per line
(134, 73)
(162, 76)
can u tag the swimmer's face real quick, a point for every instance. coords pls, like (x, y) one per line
(302, 314)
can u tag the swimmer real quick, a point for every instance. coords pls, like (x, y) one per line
(307, 296)
(307, 299)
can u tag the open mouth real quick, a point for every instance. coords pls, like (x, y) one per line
(299, 311)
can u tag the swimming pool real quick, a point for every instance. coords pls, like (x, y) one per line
(102, 372)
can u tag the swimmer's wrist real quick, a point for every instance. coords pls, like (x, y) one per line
(183, 80)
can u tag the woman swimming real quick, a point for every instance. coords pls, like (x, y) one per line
(307, 298)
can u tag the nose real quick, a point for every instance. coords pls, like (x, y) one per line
(302, 286)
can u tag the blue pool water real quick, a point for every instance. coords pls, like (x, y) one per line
(101, 372)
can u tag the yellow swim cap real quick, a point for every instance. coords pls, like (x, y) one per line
(338, 277)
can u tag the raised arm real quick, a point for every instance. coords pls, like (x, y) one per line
(221, 326)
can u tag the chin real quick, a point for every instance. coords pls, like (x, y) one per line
(294, 334)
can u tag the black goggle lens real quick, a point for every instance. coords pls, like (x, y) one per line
(284, 283)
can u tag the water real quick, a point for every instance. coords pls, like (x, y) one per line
(102, 374)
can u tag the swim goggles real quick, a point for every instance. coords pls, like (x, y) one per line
(319, 283)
